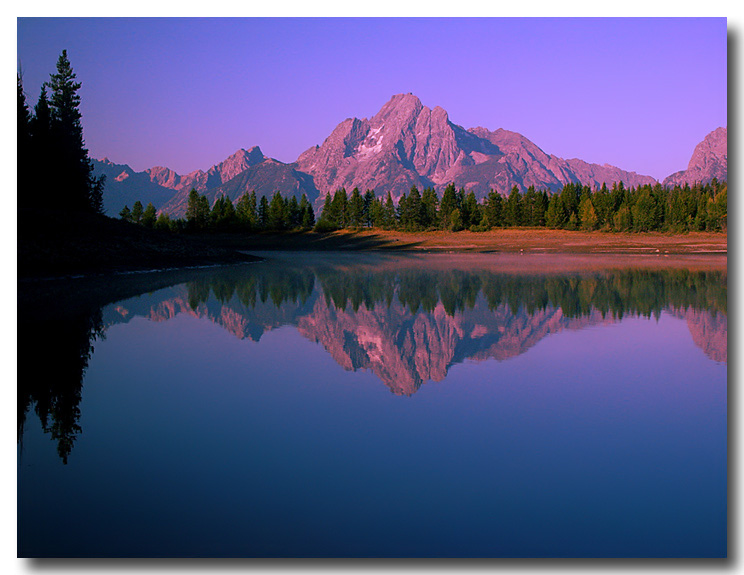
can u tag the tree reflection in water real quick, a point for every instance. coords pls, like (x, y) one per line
(406, 324)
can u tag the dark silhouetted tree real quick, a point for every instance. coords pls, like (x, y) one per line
(82, 191)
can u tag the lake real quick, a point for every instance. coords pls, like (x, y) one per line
(359, 405)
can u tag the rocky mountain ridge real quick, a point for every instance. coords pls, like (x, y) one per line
(404, 144)
(709, 160)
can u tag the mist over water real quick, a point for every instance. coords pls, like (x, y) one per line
(377, 406)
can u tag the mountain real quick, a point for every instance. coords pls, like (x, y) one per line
(406, 144)
(243, 171)
(124, 186)
(709, 160)
(265, 177)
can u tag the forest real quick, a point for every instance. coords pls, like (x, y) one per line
(701, 207)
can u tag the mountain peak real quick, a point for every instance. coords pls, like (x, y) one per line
(399, 106)
(709, 160)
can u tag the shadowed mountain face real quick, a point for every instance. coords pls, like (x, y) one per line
(404, 144)
(709, 160)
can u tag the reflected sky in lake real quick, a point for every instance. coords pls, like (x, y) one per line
(366, 407)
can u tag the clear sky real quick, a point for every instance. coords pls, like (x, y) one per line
(185, 93)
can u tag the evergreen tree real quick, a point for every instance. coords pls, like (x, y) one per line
(125, 214)
(448, 205)
(555, 216)
(197, 211)
(25, 199)
(493, 209)
(376, 213)
(368, 200)
(389, 220)
(339, 211)
(293, 213)
(277, 215)
(456, 221)
(149, 216)
(223, 214)
(471, 215)
(622, 220)
(643, 211)
(401, 212)
(73, 165)
(137, 211)
(245, 211)
(587, 215)
(324, 223)
(263, 213)
(42, 147)
(513, 208)
(163, 222)
(356, 209)
(430, 208)
(307, 216)
(603, 206)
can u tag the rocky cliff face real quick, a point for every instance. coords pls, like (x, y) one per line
(709, 160)
(407, 144)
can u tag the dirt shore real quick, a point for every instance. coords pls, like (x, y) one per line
(533, 240)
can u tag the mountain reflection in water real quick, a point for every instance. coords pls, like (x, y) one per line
(408, 324)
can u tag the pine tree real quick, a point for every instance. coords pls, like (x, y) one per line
(74, 168)
(430, 208)
(448, 205)
(263, 213)
(356, 209)
(163, 222)
(277, 215)
(369, 201)
(389, 221)
(125, 214)
(25, 197)
(307, 216)
(471, 215)
(293, 213)
(149, 216)
(137, 211)
(513, 208)
(245, 210)
(587, 214)
(493, 210)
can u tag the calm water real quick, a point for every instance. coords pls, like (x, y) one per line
(366, 406)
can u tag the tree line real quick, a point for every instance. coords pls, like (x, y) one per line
(611, 293)
(644, 208)
(54, 132)
(575, 207)
(248, 214)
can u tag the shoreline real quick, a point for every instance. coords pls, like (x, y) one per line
(62, 246)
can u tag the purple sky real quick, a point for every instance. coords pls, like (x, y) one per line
(186, 93)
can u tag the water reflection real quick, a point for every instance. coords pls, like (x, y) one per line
(408, 324)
